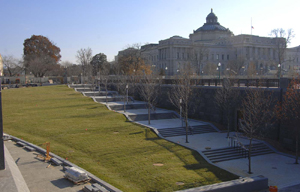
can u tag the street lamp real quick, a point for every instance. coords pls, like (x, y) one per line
(106, 90)
(279, 68)
(127, 93)
(219, 66)
(180, 101)
(166, 70)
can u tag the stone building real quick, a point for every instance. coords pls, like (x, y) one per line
(213, 43)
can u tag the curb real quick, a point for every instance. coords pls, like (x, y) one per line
(68, 163)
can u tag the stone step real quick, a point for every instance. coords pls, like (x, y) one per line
(230, 153)
(230, 149)
(129, 106)
(112, 99)
(239, 156)
(153, 116)
(100, 94)
(177, 131)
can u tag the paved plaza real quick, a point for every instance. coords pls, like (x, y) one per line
(278, 168)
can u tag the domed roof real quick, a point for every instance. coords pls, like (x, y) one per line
(212, 24)
(211, 15)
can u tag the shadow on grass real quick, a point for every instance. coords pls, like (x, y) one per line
(136, 133)
(90, 115)
(71, 106)
(200, 167)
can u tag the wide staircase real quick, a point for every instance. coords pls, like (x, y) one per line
(128, 106)
(85, 89)
(154, 116)
(91, 94)
(178, 131)
(112, 99)
(231, 153)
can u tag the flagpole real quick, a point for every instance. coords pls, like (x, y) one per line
(251, 25)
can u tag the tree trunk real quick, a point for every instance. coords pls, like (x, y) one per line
(249, 155)
(228, 123)
(124, 104)
(186, 124)
(149, 113)
(297, 137)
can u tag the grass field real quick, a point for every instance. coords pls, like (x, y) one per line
(102, 141)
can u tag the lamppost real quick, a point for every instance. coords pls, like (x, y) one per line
(2, 160)
(106, 89)
(180, 102)
(127, 93)
(219, 66)
(166, 70)
(279, 68)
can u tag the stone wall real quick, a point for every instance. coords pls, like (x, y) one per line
(203, 107)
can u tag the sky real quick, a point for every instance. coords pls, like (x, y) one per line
(108, 26)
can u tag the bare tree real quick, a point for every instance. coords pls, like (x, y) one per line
(251, 70)
(182, 91)
(148, 90)
(289, 110)
(236, 65)
(12, 65)
(104, 79)
(256, 108)
(282, 40)
(210, 69)
(225, 99)
(198, 55)
(84, 57)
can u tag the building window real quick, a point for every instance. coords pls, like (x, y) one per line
(206, 56)
(177, 55)
(222, 56)
(188, 56)
(217, 56)
(182, 55)
(227, 57)
(212, 56)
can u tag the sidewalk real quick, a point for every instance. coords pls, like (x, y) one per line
(25, 172)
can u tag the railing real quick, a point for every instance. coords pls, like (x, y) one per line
(239, 147)
(234, 82)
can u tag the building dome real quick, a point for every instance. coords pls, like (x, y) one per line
(211, 18)
(211, 24)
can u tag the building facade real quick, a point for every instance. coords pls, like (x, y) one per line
(212, 44)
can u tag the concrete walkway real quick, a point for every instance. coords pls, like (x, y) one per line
(25, 172)
(277, 167)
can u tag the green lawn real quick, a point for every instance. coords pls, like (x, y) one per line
(102, 141)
